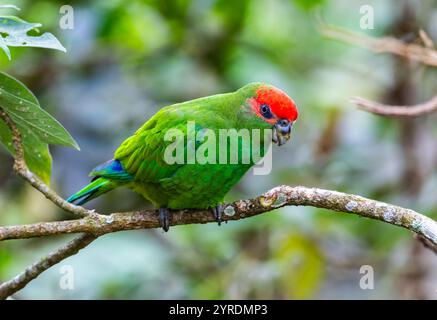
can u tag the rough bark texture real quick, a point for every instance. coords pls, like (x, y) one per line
(96, 225)
(278, 197)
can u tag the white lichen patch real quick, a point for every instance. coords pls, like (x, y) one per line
(351, 205)
(389, 214)
(326, 193)
(229, 211)
(417, 224)
(426, 227)
(429, 229)
(109, 219)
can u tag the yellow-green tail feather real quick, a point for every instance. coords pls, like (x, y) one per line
(95, 189)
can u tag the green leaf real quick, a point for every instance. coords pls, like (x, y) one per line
(21, 105)
(16, 87)
(16, 31)
(36, 151)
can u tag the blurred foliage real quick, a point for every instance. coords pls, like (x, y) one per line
(127, 59)
(16, 32)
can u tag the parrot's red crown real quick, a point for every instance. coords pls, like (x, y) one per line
(281, 105)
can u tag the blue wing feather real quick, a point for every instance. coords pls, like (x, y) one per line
(106, 177)
(113, 170)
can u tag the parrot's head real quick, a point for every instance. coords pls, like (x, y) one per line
(267, 106)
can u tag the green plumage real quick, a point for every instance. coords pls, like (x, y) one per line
(139, 161)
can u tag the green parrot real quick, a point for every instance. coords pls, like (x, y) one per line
(145, 162)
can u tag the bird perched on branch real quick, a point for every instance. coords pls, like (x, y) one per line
(178, 159)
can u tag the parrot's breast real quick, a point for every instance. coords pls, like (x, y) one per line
(193, 186)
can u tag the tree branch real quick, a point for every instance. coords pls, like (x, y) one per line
(21, 280)
(97, 225)
(396, 111)
(424, 55)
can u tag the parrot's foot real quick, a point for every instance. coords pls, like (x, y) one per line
(164, 218)
(218, 211)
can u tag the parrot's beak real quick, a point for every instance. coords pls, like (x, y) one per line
(281, 131)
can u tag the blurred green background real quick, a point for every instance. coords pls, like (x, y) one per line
(127, 59)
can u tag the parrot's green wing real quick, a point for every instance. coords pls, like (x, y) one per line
(143, 154)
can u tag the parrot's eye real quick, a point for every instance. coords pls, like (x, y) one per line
(265, 111)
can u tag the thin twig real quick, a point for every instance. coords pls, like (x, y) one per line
(391, 45)
(396, 111)
(31, 272)
(426, 39)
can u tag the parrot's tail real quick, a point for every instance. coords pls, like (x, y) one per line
(96, 188)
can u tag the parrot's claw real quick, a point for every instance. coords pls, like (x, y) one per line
(218, 211)
(164, 218)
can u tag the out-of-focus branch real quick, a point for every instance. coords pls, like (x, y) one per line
(31, 272)
(396, 111)
(425, 55)
(426, 39)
